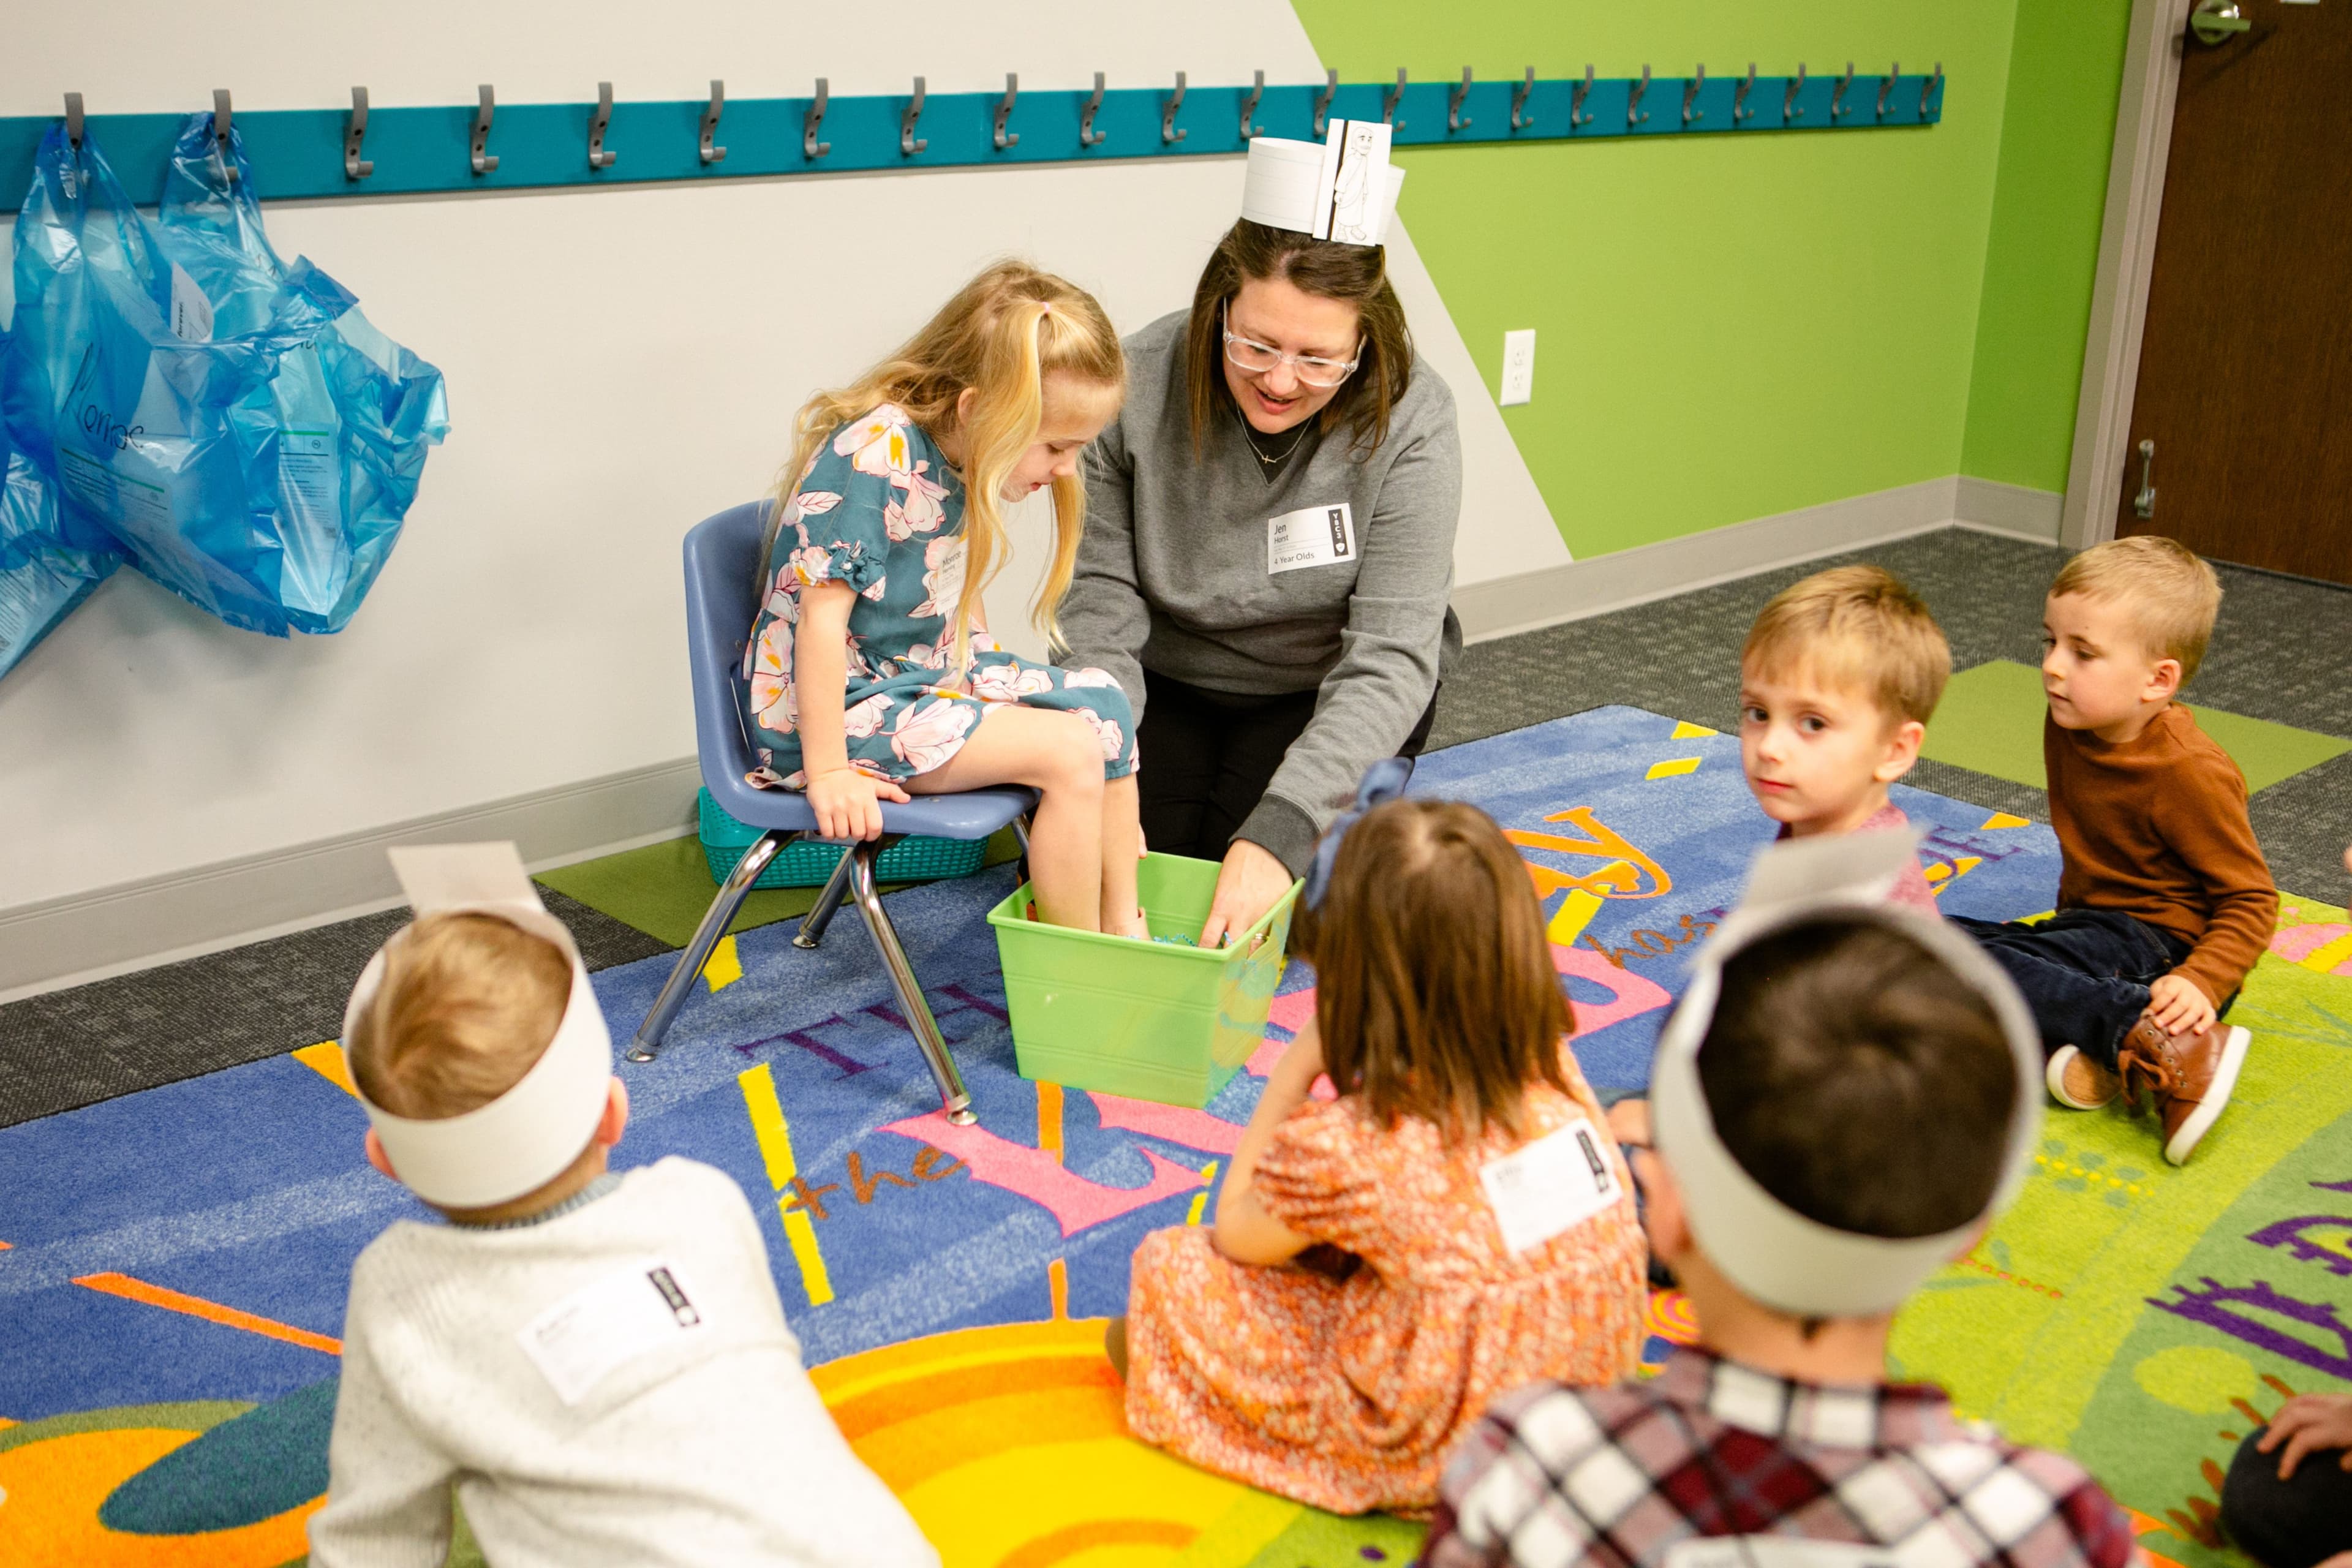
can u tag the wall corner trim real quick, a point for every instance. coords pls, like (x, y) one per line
(87, 936)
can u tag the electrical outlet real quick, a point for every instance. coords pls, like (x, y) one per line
(1518, 367)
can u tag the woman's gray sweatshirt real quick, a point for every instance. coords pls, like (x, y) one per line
(1173, 575)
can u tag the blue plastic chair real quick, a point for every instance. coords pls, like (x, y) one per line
(722, 571)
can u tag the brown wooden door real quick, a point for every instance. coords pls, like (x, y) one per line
(2245, 371)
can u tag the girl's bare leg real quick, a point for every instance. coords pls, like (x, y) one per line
(1058, 755)
(1122, 839)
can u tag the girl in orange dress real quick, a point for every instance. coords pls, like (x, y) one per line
(1455, 1223)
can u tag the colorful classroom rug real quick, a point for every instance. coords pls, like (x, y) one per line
(176, 1261)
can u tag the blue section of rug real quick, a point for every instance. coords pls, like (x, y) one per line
(247, 1188)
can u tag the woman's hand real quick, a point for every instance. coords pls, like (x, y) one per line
(2306, 1424)
(1251, 882)
(848, 802)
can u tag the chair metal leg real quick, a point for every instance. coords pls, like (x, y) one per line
(715, 920)
(953, 1099)
(820, 915)
(1021, 831)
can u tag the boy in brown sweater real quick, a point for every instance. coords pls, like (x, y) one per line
(2165, 901)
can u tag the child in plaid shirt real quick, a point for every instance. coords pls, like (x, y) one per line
(1859, 1077)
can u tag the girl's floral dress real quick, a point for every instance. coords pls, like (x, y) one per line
(878, 509)
(1345, 1388)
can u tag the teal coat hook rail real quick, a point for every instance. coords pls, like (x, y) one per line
(307, 153)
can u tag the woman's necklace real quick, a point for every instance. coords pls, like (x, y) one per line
(1249, 433)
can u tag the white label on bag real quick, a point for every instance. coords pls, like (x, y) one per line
(607, 1323)
(116, 497)
(1557, 1181)
(308, 476)
(1311, 536)
(192, 312)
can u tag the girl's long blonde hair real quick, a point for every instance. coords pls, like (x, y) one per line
(1000, 337)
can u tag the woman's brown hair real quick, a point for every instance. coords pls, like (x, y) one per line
(1357, 274)
(1434, 991)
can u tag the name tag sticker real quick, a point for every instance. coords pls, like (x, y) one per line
(608, 1322)
(1778, 1552)
(1551, 1185)
(1311, 536)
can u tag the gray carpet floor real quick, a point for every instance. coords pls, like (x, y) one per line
(2282, 651)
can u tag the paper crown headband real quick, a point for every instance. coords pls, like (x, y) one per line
(1344, 189)
(525, 1137)
(1778, 1256)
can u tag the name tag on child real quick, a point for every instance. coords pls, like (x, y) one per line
(1552, 1185)
(1778, 1552)
(607, 1323)
(1311, 536)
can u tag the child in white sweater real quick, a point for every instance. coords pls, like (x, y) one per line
(596, 1365)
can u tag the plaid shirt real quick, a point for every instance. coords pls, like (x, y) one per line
(1612, 1478)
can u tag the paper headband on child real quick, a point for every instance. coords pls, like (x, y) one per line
(525, 1137)
(1343, 189)
(1776, 1256)
(1383, 781)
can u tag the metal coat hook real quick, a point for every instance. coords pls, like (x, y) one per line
(1928, 91)
(484, 162)
(710, 153)
(1249, 104)
(1168, 134)
(1634, 113)
(1087, 135)
(1838, 110)
(1001, 137)
(1887, 85)
(1454, 119)
(813, 121)
(1577, 113)
(355, 135)
(1520, 117)
(598, 123)
(1389, 101)
(73, 121)
(909, 142)
(1691, 110)
(1739, 109)
(1790, 108)
(224, 120)
(1323, 100)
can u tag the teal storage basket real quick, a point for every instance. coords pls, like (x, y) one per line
(804, 863)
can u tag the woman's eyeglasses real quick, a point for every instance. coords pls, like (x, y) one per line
(1256, 358)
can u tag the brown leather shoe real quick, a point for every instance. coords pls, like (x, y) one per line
(2188, 1076)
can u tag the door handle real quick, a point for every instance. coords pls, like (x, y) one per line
(2144, 503)
(2216, 21)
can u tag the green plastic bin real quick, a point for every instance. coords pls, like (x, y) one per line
(1148, 1020)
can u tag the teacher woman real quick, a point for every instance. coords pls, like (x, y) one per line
(1269, 539)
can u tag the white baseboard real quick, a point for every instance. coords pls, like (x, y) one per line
(1992, 507)
(134, 925)
(1596, 585)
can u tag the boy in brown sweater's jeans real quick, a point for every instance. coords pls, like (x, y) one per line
(2165, 903)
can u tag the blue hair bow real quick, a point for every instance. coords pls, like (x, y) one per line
(1383, 781)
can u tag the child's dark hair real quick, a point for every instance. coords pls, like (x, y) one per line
(1434, 991)
(1860, 1080)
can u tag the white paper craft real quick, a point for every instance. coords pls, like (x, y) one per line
(524, 1138)
(1344, 189)
(1774, 1254)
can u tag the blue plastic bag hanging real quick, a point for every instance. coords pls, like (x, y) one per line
(235, 425)
(43, 574)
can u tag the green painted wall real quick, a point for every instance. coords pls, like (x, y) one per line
(2064, 76)
(1727, 326)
